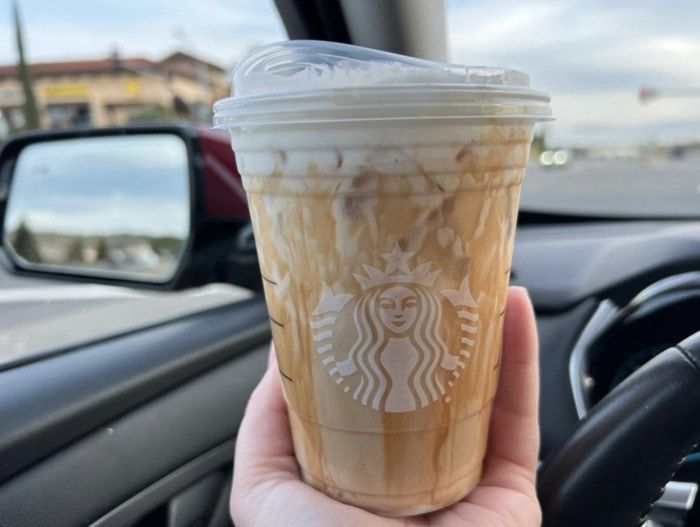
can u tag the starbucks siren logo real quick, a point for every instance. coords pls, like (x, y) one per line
(398, 361)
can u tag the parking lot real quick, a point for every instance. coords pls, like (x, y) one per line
(662, 188)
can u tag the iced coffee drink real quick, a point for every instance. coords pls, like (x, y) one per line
(383, 191)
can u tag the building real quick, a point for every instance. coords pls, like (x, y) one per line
(114, 91)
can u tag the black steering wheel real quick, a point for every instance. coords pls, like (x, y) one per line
(615, 464)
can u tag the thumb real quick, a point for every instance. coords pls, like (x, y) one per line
(514, 434)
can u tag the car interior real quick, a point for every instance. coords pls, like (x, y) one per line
(125, 413)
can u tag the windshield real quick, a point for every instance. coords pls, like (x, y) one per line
(624, 79)
(625, 83)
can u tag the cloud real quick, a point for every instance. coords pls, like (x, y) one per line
(601, 117)
(136, 216)
(592, 56)
(219, 30)
(580, 46)
(82, 185)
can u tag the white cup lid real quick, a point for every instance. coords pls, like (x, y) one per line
(306, 81)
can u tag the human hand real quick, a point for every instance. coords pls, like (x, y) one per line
(267, 489)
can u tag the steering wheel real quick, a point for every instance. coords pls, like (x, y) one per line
(615, 464)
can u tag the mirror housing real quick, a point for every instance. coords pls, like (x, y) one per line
(218, 246)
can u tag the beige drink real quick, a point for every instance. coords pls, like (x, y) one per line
(385, 247)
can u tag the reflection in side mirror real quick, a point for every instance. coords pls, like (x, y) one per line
(112, 206)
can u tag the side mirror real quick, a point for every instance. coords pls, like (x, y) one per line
(156, 207)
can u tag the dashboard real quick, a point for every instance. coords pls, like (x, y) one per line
(609, 297)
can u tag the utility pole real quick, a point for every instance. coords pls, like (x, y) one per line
(31, 113)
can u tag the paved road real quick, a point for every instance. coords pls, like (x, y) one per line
(612, 188)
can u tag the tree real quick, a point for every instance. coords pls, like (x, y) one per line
(539, 145)
(25, 244)
(31, 113)
(101, 250)
(75, 251)
(153, 113)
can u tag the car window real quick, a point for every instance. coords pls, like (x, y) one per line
(116, 63)
(625, 83)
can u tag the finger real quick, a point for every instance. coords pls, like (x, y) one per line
(514, 434)
(264, 444)
(265, 457)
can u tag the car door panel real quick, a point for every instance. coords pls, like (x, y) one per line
(198, 489)
(105, 422)
(126, 455)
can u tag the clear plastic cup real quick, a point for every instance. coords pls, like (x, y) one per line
(383, 192)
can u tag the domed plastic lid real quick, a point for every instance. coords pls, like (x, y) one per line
(306, 81)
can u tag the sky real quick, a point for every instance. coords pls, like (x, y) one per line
(219, 30)
(52, 194)
(591, 55)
